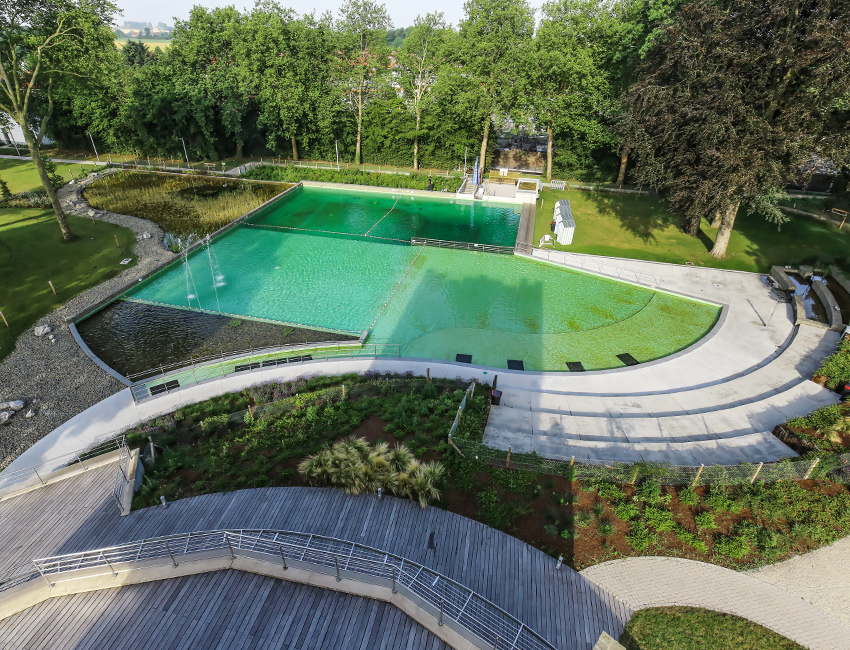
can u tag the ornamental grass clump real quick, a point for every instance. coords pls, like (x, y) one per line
(357, 467)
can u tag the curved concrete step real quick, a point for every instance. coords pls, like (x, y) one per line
(794, 366)
(749, 448)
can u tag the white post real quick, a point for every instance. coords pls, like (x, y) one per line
(92, 146)
(336, 145)
(185, 153)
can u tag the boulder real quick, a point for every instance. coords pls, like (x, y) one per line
(41, 330)
(13, 405)
(146, 235)
(5, 415)
(29, 414)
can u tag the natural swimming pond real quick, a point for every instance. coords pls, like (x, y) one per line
(311, 261)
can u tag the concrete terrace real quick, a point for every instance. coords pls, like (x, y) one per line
(79, 514)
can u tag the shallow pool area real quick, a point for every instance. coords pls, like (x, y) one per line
(329, 273)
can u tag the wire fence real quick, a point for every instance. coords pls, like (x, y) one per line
(459, 245)
(630, 473)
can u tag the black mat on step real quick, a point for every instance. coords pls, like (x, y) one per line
(515, 364)
(628, 359)
(463, 358)
(575, 366)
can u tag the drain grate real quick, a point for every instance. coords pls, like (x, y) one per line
(516, 364)
(575, 366)
(463, 358)
(628, 359)
(162, 388)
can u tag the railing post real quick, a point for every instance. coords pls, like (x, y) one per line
(811, 469)
(49, 584)
(696, 478)
(758, 469)
(440, 622)
(39, 477)
(230, 546)
(173, 561)
(282, 556)
(394, 578)
(80, 460)
(336, 564)
(103, 557)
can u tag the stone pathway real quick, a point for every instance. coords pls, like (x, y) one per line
(821, 577)
(663, 581)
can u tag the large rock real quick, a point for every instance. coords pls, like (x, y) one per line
(12, 405)
(5, 415)
(41, 330)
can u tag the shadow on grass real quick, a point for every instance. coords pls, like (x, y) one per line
(642, 217)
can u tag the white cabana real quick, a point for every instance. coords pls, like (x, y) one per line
(565, 225)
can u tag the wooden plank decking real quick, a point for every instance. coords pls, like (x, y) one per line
(562, 606)
(228, 609)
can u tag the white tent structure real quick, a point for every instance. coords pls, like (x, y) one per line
(565, 225)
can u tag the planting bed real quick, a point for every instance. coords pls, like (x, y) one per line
(206, 450)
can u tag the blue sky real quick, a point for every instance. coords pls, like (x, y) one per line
(401, 12)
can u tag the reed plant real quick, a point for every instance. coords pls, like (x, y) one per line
(180, 205)
(357, 467)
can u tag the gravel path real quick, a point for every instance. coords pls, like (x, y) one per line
(821, 577)
(57, 380)
(642, 582)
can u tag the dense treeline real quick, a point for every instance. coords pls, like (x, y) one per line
(269, 81)
(715, 103)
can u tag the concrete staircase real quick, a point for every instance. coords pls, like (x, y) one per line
(726, 422)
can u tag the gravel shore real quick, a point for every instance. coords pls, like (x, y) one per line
(56, 379)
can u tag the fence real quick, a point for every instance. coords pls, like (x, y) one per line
(470, 391)
(466, 612)
(631, 473)
(590, 263)
(197, 371)
(34, 475)
(459, 245)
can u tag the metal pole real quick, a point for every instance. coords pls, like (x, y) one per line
(465, 152)
(282, 556)
(80, 460)
(336, 564)
(49, 584)
(185, 153)
(336, 144)
(232, 554)
(39, 478)
(394, 589)
(92, 146)
(440, 622)
(173, 561)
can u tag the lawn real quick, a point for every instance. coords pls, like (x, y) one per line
(21, 176)
(642, 228)
(32, 252)
(691, 628)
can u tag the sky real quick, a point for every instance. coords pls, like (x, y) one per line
(402, 12)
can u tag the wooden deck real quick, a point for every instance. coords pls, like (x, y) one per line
(562, 606)
(224, 609)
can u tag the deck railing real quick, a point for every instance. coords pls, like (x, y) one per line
(466, 612)
(460, 245)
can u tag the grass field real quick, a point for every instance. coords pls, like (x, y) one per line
(642, 228)
(153, 44)
(690, 628)
(21, 175)
(32, 252)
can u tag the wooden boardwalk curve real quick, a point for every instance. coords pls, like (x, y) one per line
(563, 606)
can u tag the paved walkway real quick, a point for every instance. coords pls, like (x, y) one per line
(663, 581)
(821, 577)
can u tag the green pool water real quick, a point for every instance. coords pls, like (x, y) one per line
(434, 302)
(397, 216)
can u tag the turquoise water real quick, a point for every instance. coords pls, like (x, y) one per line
(435, 303)
(393, 216)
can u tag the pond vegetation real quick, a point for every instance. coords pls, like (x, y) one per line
(181, 204)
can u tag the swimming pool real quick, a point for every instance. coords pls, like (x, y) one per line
(436, 303)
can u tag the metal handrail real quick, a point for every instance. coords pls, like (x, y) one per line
(35, 474)
(455, 604)
(467, 246)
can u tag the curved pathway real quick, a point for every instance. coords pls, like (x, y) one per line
(561, 605)
(663, 581)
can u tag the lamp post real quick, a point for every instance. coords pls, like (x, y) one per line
(185, 153)
(336, 144)
(88, 133)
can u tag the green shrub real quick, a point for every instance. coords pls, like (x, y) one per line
(568, 534)
(720, 501)
(627, 511)
(609, 491)
(214, 424)
(640, 537)
(705, 520)
(605, 527)
(598, 509)
(736, 546)
(582, 518)
(650, 492)
(836, 368)
(551, 529)
(292, 174)
(823, 418)
(688, 497)
(658, 519)
(691, 539)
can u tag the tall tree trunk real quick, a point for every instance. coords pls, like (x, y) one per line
(416, 142)
(239, 153)
(294, 148)
(694, 225)
(484, 144)
(549, 154)
(727, 222)
(624, 160)
(357, 157)
(67, 235)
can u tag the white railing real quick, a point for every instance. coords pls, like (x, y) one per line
(466, 246)
(595, 265)
(461, 609)
(35, 475)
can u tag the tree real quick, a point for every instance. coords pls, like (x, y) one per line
(363, 55)
(417, 66)
(136, 53)
(494, 38)
(736, 97)
(41, 43)
(565, 84)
